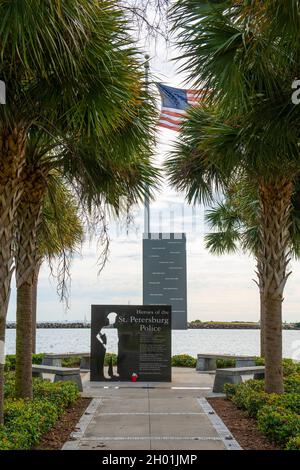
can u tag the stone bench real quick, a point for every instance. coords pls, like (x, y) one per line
(207, 362)
(55, 359)
(233, 375)
(61, 374)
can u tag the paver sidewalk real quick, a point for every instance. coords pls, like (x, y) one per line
(151, 416)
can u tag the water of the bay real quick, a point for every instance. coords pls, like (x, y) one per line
(243, 342)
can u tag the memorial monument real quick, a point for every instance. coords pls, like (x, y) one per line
(144, 342)
(164, 274)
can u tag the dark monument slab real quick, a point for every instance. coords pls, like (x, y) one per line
(144, 342)
(164, 274)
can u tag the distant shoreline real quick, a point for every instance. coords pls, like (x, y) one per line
(234, 326)
(191, 325)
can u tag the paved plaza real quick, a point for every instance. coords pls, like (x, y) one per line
(151, 416)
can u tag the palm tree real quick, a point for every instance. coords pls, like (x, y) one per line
(246, 54)
(77, 78)
(99, 180)
(234, 225)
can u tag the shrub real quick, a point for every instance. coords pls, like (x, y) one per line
(293, 443)
(230, 390)
(223, 363)
(251, 397)
(250, 401)
(259, 361)
(292, 383)
(9, 385)
(71, 361)
(288, 401)
(278, 416)
(248, 398)
(108, 357)
(183, 360)
(63, 394)
(10, 361)
(26, 420)
(32, 411)
(257, 385)
(278, 424)
(289, 366)
(37, 358)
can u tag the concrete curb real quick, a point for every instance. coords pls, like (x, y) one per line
(86, 418)
(225, 435)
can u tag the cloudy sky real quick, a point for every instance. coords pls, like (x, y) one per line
(219, 288)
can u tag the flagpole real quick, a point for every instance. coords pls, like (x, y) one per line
(147, 199)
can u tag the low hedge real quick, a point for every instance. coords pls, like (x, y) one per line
(75, 360)
(278, 416)
(183, 360)
(10, 361)
(71, 361)
(279, 424)
(289, 366)
(63, 394)
(109, 357)
(292, 383)
(224, 363)
(293, 443)
(179, 360)
(25, 421)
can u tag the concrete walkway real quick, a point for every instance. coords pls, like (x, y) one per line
(151, 416)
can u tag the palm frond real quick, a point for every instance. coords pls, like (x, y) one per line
(220, 243)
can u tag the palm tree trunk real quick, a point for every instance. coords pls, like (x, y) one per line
(12, 158)
(26, 258)
(260, 284)
(34, 306)
(24, 341)
(6, 270)
(2, 362)
(275, 205)
(262, 324)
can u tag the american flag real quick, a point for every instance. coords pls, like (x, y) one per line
(175, 102)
